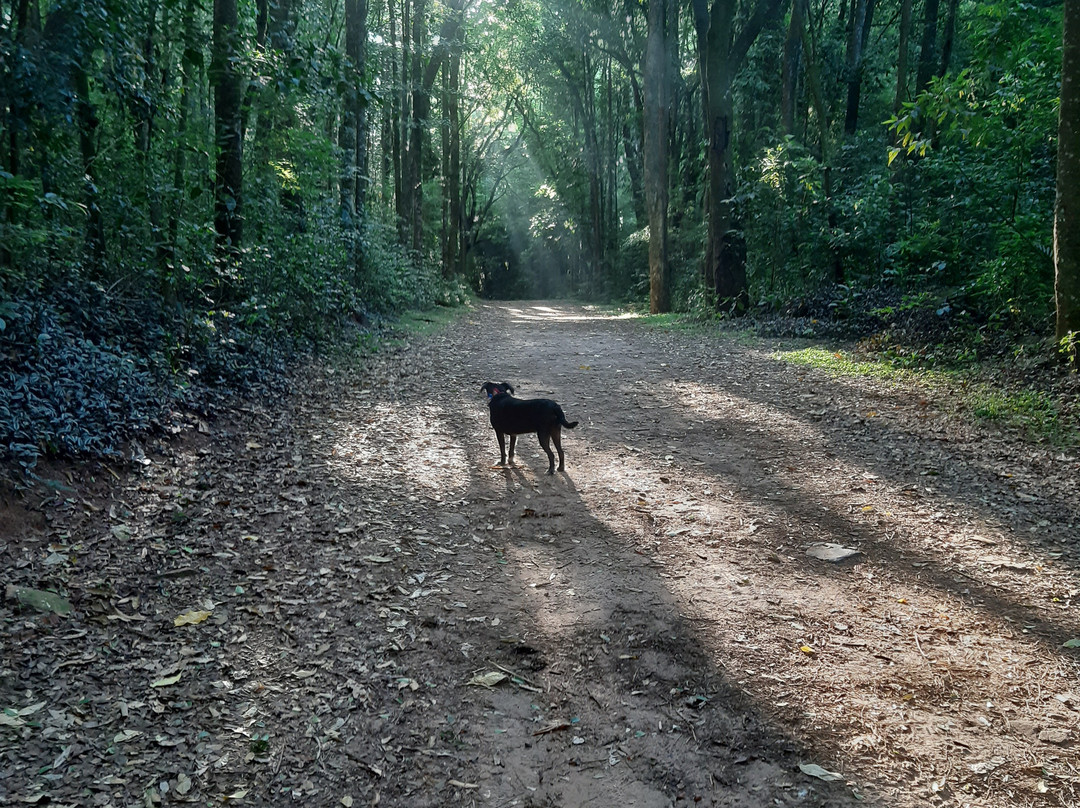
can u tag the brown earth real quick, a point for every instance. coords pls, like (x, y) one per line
(392, 621)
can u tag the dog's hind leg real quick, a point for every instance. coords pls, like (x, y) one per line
(544, 444)
(556, 438)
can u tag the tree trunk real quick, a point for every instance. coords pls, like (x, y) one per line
(421, 106)
(188, 69)
(144, 139)
(347, 132)
(657, 111)
(359, 57)
(1067, 202)
(949, 37)
(902, 56)
(860, 32)
(397, 97)
(87, 119)
(817, 96)
(721, 52)
(423, 81)
(792, 60)
(226, 82)
(593, 168)
(632, 150)
(26, 23)
(928, 47)
(453, 178)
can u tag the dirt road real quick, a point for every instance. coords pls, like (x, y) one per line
(392, 621)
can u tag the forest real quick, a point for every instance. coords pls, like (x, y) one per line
(792, 286)
(192, 193)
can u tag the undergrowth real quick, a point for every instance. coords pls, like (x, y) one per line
(89, 368)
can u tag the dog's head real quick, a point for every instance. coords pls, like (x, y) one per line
(496, 389)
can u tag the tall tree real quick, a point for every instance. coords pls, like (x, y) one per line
(790, 67)
(861, 21)
(928, 46)
(226, 81)
(903, 39)
(423, 80)
(452, 243)
(657, 88)
(353, 134)
(1067, 202)
(722, 48)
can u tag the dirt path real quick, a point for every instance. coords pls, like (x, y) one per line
(394, 622)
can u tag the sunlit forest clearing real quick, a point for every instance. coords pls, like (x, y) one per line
(805, 275)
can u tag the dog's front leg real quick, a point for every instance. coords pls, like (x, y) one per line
(513, 442)
(502, 447)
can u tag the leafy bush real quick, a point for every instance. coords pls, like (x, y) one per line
(67, 390)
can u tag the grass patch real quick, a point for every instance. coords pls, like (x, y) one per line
(671, 322)
(1034, 412)
(428, 321)
(394, 334)
(842, 363)
(696, 323)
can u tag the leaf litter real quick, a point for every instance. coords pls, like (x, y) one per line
(332, 599)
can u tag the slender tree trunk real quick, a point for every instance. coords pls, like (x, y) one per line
(657, 59)
(144, 143)
(226, 82)
(632, 150)
(817, 96)
(949, 36)
(88, 122)
(792, 61)
(421, 107)
(1067, 203)
(348, 130)
(593, 167)
(928, 46)
(863, 19)
(262, 21)
(397, 95)
(360, 58)
(423, 81)
(188, 69)
(26, 23)
(902, 56)
(453, 179)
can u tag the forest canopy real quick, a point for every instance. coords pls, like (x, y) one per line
(191, 192)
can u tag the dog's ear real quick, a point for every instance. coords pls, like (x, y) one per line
(509, 387)
(486, 387)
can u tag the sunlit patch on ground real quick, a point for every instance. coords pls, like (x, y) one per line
(379, 445)
(562, 314)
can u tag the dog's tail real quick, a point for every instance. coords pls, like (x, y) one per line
(564, 422)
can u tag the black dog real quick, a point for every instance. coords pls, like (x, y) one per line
(513, 417)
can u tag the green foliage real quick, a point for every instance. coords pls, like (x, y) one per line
(392, 281)
(1033, 411)
(839, 363)
(70, 386)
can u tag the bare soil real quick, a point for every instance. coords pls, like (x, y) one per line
(394, 621)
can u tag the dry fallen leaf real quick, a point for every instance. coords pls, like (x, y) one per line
(489, 679)
(168, 680)
(817, 771)
(191, 618)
